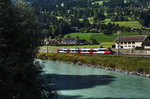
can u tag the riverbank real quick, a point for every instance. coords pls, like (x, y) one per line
(130, 65)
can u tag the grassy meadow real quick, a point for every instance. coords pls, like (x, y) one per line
(129, 24)
(136, 64)
(104, 44)
(78, 46)
(100, 37)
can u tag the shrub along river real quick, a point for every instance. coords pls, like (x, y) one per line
(80, 82)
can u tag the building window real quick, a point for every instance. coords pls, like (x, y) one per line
(133, 42)
(125, 46)
(121, 42)
(129, 42)
(129, 46)
(133, 46)
(125, 42)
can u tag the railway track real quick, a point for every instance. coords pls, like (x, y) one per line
(129, 55)
(125, 55)
(135, 55)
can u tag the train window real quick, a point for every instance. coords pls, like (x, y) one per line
(92, 50)
(60, 49)
(84, 50)
(109, 49)
(102, 50)
(67, 50)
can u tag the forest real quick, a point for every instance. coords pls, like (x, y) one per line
(60, 17)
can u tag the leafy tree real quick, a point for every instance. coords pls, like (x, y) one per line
(19, 39)
(93, 41)
(86, 23)
(68, 36)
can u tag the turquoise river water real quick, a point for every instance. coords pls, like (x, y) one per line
(80, 82)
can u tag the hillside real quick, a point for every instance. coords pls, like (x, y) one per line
(60, 17)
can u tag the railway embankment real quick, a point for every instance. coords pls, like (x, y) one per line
(130, 65)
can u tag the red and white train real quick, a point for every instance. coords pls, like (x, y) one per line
(86, 50)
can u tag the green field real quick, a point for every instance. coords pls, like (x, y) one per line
(129, 24)
(101, 37)
(78, 46)
(103, 44)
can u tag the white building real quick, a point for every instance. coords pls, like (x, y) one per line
(129, 42)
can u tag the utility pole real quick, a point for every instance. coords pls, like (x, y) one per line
(118, 32)
(75, 44)
(47, 45)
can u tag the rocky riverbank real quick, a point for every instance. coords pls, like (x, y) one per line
(130, 65)
(112, 69)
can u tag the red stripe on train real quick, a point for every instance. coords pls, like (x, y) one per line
(68, 50)
(79, 50)
(91, 51)
(107, 52)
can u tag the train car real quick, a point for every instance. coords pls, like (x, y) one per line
(86, 50)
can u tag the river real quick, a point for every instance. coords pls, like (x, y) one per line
(80, 82)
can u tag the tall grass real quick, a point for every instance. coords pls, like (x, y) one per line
(136, 64)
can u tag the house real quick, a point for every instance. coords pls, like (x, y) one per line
(75, 28)
(135, 29)
(147, 48)
(129, 42)
(68, 40)
(51, 42)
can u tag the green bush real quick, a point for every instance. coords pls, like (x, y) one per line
(139, 48)
(140, 70)
(111, 65)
